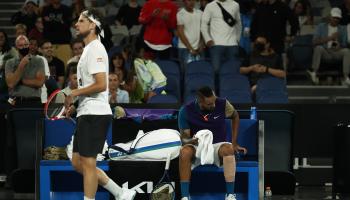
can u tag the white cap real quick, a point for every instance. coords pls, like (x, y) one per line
(336, 12)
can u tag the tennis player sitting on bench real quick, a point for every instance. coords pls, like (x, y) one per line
(208, 112)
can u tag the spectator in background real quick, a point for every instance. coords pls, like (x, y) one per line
(149, 75)
(20, 29)
(116, 95)
(77, 47)
(6, 52)
(27, 15)
(128, 14)
(57, 20)
(77, 7)
(345, 10)
(302, 10)
(25, 75)
(117, 66)
(330, 40)
(270, 19)
(263, 61)
(203, 4)
(37, 31)
(72, 83)
(159, 20)
(56, 65)
(221, 36)
(247, 9)
(189, 32)
(34, 50)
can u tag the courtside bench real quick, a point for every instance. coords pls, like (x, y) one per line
(58, 133)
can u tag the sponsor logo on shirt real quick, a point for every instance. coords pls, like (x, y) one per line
(99, 60)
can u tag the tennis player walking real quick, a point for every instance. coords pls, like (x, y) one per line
(93, 111)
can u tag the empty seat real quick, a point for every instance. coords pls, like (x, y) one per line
(235, 89)
(271, 90)
(230, 68)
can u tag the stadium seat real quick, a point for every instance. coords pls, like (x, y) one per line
(235, 89)
(198, 68)
(300, 53)
(194, 83)
(230, 68)
(163, 98)
(271, 90)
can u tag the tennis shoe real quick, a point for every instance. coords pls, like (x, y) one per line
(185, 198)
(127, 194)
(230, 197)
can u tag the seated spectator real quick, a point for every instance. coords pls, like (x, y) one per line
(27, 15)
(72, 83)
(37, 31)
(25, 75)
(57, 19)
(330, 40)
(149, 75)
(116, 95)
(56, 65)
(302, 9)
(20, 29)
(158, 18)
(128, 14)
(77, 47)
(117, 66)
(262, 61)
(6, 52)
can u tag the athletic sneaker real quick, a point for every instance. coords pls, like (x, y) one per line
(185, 198)
(230, 197)
(313, 77)
(127, 194)
(346, 81)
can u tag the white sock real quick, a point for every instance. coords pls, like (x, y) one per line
(113, 188)
(86, 198)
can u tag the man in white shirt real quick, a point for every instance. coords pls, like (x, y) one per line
(221, 36)
(189, 31)
(94, 114)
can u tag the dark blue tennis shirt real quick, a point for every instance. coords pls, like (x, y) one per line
(191, 117)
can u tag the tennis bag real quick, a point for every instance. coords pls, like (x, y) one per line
(153, 145)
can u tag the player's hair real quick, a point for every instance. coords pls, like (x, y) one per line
(204, 91)
(96, 15)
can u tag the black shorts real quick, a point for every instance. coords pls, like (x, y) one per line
(90, 134)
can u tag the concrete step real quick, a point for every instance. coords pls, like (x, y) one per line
(10, 30)
(11, 5)
(5, 21)
(7, 13)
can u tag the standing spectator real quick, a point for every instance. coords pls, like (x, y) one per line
(27, 15)
(77, 47)
(6, 52)
(57, 19)
(116, 95)
(20, 29)
(189, 32)
(159, 19)
(203, 4)
(345, 10)
(56, 65)
(221, 29)
(37, 31)
(270, 19)
(330, 40)
(128, 14)
(247, 10)
(25, 75)
(263, 61)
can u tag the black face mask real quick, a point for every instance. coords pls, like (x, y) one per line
(24, 51)
(259, 47)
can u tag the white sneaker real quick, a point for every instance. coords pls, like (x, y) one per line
(230, 197)
(185, 198)
(313, 77)
(127, 194)
(346, 81)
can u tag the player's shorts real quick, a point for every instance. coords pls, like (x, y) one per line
(90, 134)
(217, 161)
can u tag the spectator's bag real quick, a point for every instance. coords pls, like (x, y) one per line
(153, 145)
(227, 16)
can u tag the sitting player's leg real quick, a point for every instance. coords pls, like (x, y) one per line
(186, 156)
(226, 153)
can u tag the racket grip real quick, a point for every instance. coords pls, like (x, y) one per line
(167, 164)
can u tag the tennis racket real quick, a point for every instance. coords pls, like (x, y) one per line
(54, 107)
(164, 190)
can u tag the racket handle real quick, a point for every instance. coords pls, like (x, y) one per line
(167, 164)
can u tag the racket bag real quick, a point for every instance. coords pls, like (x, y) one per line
(153, 145)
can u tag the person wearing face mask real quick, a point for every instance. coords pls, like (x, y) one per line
(208, 112)
(263, 61)
(25, 75)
